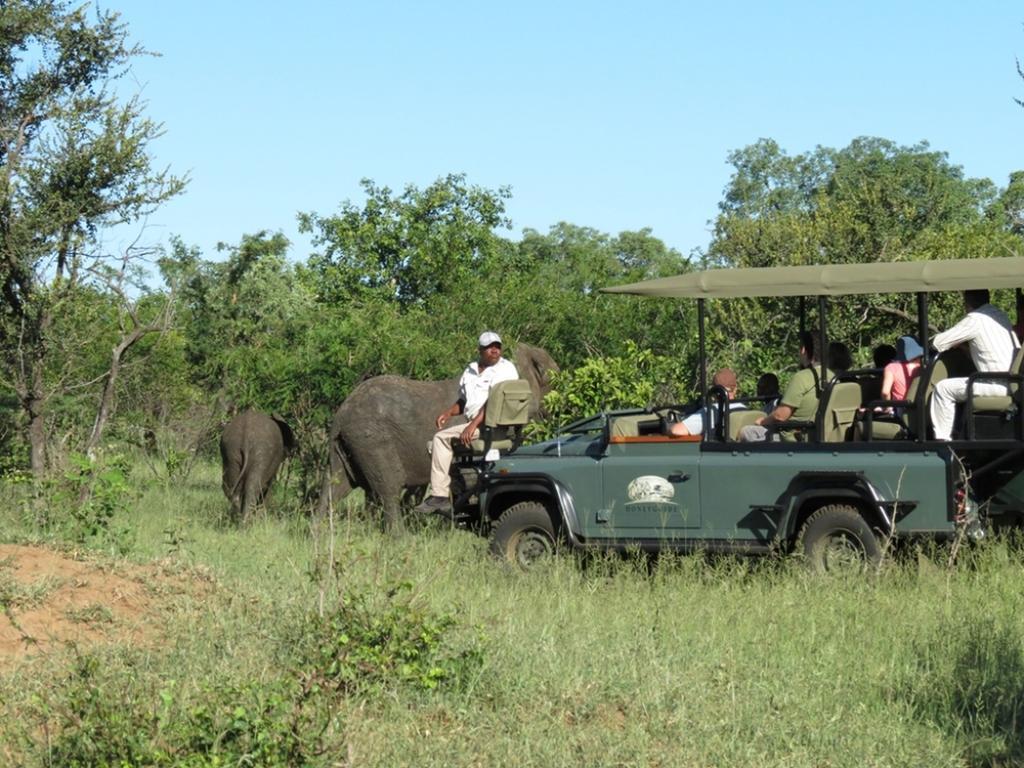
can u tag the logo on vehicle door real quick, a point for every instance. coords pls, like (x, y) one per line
(650, 490)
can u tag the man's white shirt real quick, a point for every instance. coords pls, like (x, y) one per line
(694, 423)
(475, 387)
(990, 335)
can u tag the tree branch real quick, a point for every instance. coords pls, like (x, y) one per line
(904, 316)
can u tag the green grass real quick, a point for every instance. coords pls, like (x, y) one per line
(612, 662)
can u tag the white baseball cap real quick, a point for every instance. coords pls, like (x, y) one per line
(489, 337)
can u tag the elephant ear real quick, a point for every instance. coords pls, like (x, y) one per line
(290, 443)
(535, 365)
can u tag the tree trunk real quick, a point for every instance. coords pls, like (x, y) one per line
(109, 387)
(36, 435)
(34, 397)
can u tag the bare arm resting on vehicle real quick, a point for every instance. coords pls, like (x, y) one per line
(780, 415)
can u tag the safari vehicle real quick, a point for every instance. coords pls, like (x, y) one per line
(852, 486)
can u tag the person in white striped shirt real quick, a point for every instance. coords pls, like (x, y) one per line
(989, 335)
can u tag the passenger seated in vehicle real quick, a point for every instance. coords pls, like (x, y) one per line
(694, 423)
(883, 354)
(839, 357)
(989, 335)
(898, 374)
(799, 402)
(768, 388)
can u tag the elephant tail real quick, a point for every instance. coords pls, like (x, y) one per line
(340, 479)
(241, 476)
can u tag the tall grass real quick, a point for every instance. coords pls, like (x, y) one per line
(604, 662)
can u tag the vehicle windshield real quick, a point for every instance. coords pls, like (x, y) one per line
(582, 428)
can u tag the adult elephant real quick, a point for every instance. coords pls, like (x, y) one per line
(252, 447)
(379, 436)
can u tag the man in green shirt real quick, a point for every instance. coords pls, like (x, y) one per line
(799, 402)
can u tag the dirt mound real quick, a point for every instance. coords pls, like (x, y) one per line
(52, 599)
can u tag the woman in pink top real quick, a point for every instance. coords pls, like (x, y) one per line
(898, 374)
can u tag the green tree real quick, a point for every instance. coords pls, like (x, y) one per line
(873, 200)
(544, 290)
(73, 160)
(406, 247)
(1021, 73)
(244, 318)
(637, 378)
(1007, 211)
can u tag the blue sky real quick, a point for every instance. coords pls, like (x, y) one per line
(615, 116)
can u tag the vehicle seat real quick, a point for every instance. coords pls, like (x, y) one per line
(995, 410)
(738, 419)
(1000, 402)
(508, 410)
(953, 362)
(888, 426)
(629, 425)
(871, 385)
(842, 400)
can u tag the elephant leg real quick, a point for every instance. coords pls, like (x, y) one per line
(232, 488)
(392, 514)
(252, 493)
(386, 492)
(383, 482)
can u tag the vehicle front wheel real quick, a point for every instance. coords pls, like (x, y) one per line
(524, 535)
(838, 539)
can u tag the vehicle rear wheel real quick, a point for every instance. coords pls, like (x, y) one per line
(524, 535)
(837, 539)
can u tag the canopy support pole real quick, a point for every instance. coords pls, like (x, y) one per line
(922, 320)
(822, 339)
(703, 359)
(920, 415)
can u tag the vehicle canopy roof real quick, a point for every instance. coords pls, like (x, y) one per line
(836, 279)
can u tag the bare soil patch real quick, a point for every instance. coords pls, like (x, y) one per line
(51, 600)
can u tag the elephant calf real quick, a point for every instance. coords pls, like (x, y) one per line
(252, 447)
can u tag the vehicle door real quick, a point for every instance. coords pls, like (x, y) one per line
(650, 488)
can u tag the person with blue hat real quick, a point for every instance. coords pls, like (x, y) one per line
(898, 374)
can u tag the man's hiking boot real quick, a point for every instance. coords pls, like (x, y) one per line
(433, 504)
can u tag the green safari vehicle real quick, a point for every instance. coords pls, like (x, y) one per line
(851, 487)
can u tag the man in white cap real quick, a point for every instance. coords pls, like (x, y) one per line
(474, 388)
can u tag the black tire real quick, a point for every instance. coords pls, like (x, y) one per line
(837, 539)
(524, 535)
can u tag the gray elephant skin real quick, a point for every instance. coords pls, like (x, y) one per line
(252, 447)
(379, 436)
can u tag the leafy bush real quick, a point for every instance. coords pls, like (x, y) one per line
(84, 503)
(97, 721)
(13, 446)
(102, 714)
(268, 723)
(365, 645)
(637, 379)
(105, 718)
